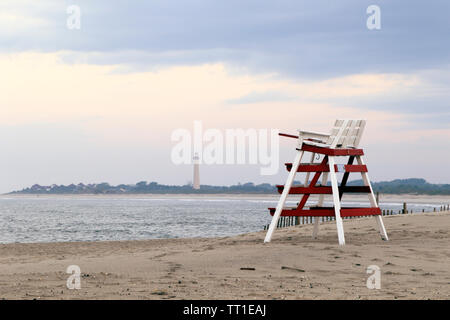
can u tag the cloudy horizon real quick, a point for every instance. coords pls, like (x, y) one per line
(99, 103)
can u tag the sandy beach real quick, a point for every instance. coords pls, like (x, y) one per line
(415, 264)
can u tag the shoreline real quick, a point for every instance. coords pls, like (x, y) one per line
(383, 196)
(414, 264)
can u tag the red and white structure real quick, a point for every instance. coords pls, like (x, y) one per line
(341, 144)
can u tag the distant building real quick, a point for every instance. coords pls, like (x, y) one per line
(196, 184)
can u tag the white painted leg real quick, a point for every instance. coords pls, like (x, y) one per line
(373, 201)
(320, 204)
(336, 200)
(284, 194)
(381, 227)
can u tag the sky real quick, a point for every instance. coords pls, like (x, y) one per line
(100, 103)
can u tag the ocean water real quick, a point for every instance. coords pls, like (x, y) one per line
(91, 218)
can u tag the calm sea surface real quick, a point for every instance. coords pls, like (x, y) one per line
(90, 218)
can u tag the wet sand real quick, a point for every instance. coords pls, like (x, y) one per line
(415, 264)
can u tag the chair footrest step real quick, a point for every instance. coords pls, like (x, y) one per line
(324, 189)
(327, 212)
(315, 167)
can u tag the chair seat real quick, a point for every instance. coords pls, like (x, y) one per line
(316, 143)
(331, 152)
(322, 144)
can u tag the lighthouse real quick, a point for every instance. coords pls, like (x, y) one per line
(196, 172)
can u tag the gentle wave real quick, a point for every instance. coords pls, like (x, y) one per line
(84, 218)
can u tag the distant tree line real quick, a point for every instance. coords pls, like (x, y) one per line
(398, 186)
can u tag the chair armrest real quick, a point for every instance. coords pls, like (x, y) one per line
(310, 134)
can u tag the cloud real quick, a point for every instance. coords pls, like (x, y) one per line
(301, 39)
(423, 92)
(257, 97)
(137, 70)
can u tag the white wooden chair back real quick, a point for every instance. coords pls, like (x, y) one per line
(346, 133)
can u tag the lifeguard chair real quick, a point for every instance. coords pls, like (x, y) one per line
(342, 142)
